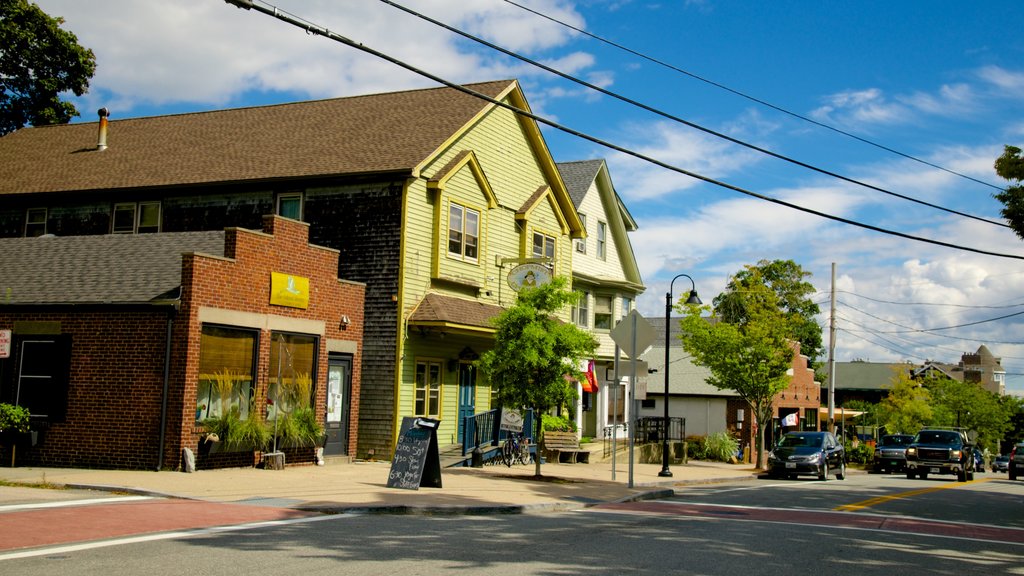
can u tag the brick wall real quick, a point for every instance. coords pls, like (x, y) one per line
(117, 366)
(117, 355)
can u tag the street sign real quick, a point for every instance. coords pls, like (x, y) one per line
(634, 334)
(5, 343)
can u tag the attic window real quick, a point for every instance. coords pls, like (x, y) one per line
(35, 222)
(136, 218)
(602, 240)
(289, 205)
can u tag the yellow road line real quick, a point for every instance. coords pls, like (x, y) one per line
(882, 499)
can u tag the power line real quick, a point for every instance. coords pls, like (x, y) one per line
(681, 120)
(749, 97)
(313, 29)
(910, 330)
(929, 303)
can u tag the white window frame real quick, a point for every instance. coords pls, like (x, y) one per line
(581, 309)
(33, 223)
(467, 234)
(602, 240)
(547, 246)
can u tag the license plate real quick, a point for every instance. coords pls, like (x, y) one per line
(790, 464)
(934, 470)
(893, 463)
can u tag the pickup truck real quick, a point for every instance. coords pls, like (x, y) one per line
(941, 451)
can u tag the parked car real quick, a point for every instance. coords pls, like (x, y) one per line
(891, 453)
(1000, 463)
(807, 453)
(1015, 465)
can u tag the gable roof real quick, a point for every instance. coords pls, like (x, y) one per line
(103, 269)
(867, 375)
(379, 133)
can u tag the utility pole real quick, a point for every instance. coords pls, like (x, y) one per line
(832, 355)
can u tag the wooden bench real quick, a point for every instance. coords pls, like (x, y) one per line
(564, 447)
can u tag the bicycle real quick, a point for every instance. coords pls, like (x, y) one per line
(516, 450)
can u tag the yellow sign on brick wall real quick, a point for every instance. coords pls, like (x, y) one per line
(289, 290)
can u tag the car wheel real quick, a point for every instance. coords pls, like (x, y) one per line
(823, 473)
(841, 473)
(910, 474)
(923, 475)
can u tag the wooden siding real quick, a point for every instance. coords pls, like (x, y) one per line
(509, 164)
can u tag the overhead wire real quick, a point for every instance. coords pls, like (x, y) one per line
(683, 121)
(749, 97)
(313, 29)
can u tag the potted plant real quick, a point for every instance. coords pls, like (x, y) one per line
(14, 423)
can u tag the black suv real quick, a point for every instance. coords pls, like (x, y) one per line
(941, 451)
(891, 453)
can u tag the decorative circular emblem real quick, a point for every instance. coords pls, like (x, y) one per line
(528, 276)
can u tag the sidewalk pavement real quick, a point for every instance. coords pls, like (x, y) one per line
(361, 487)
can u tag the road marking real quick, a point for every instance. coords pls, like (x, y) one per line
(56, 550)
(857, 506)
(64, 503)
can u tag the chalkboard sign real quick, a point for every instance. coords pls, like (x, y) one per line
(417, 461)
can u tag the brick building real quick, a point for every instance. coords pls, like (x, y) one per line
(116, 338)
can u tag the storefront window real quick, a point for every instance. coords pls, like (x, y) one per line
(225, 371)
(292, 372)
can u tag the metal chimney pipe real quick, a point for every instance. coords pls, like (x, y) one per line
(101, 144)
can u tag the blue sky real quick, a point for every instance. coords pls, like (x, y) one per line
(940, 83)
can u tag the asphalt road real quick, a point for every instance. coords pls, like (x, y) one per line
(867, 524)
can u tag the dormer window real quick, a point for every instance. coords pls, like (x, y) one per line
(543, 246)
(463, 232)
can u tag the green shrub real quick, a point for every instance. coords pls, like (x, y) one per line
(558, 424)
(695, 448)
(861, 454)
(299, 428)
(720, 447)
(14, 418)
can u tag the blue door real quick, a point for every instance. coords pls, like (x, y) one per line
(467, 395)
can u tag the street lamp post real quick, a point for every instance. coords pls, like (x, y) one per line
(693, 299)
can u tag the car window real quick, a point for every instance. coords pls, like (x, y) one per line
(796, 440)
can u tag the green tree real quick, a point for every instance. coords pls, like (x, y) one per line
(968, 405)
(907, 407)
(1010, 166)
(752, 358)
(534, 351)
(38, 62)
(787, 282)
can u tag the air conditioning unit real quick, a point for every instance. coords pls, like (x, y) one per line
(581, 246)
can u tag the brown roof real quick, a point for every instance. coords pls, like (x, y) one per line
(342, 136)
(437, 310)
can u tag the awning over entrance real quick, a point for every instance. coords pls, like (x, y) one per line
(839, 412)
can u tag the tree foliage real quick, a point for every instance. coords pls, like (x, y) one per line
(534, 351)
(968, 405)
(38, 62)
(790, 293)
(907, 407)
(751, 358)
(1010, 166)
